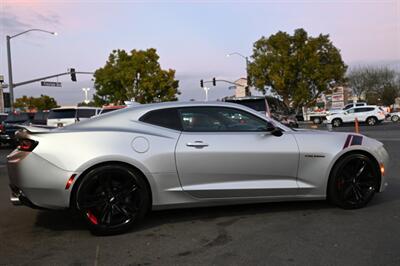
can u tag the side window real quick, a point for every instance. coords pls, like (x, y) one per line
(347, 107)
(214, 119)
(164, 118)
(86, 113)
(351, 111)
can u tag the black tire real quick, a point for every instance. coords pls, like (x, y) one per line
(112, 199)
(337, 122)
(353, 181)
(395, 118)
(371, 121)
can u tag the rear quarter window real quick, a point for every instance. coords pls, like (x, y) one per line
(167, 118)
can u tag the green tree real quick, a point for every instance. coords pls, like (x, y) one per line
(136, 75)
(298, 68)
(44, 102)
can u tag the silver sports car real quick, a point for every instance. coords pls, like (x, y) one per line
(115, 167)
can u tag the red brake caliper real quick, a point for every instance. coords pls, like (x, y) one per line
(91, 217)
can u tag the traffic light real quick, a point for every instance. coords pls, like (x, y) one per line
(73, 74)
(201, 83)
(214, 82)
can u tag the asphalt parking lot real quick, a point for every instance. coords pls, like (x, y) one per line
(292, 233)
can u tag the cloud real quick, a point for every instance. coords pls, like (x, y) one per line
(11, 23)
(48, 19)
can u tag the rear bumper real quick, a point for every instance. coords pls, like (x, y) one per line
(35, 182)
(18, 198)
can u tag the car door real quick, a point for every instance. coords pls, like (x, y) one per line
(361, 113)
(227, 152)
(349, 116)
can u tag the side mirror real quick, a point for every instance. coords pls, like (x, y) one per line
(275, 131)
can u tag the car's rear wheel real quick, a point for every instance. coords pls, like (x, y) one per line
(371, 121)
(112, 199)
(395, 118)
(337, 122)
(353, 181)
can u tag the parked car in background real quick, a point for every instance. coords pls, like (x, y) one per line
(395, 117)
(3, 116)
(278, 110)
(370, 114)
(40, 118)
(11, 124)
(64, 116)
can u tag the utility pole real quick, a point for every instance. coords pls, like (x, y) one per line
(10, 76)
(1, 94)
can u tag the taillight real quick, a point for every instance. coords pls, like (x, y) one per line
(1, 128)
(27, 145)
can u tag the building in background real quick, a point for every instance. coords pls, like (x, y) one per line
(241, 89)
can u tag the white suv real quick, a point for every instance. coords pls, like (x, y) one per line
(371, 114)
(347, 107)
(64, 116)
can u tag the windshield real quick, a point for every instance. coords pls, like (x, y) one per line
(62, 113)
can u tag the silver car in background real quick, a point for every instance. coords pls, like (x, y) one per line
(114, 168)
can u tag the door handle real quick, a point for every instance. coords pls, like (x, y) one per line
(197, 144)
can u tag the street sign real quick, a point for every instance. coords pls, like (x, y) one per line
(50, 83)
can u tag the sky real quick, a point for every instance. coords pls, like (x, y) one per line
(192, 37)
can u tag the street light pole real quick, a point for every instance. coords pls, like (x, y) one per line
(206, 89)
(247, 65)
(10, 76)
(86, 91)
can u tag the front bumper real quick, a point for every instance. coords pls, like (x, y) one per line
(35, 182)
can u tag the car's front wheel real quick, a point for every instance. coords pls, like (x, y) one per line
(353, 181)
(337, 122)
(112, 199)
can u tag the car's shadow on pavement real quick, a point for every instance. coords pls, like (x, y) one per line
(69, 220)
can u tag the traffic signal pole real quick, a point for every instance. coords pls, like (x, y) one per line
(48, 77)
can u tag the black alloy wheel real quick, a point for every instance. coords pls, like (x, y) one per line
(353, 181)
(112, 198)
